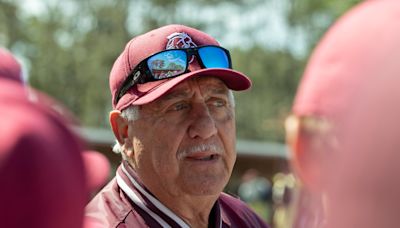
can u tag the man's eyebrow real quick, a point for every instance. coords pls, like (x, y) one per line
(216, 89)
(175, 94)
(219, 90)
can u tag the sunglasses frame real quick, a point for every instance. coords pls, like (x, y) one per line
(142, 74)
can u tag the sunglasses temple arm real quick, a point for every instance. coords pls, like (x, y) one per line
(128, 83)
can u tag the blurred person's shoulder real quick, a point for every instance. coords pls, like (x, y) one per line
(235, 211)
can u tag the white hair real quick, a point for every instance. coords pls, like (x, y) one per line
(231, 98)
(117, 148)
(132, 113)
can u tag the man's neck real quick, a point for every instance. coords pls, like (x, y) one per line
(194, 210)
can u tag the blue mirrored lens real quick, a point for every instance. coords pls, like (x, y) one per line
(167, 64)
(214, 57)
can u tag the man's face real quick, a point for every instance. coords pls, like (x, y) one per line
(184, 142)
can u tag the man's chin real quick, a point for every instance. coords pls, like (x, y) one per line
(206, 187)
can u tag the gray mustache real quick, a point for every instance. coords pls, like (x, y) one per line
(200, 148)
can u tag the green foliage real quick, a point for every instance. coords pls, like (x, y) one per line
(262, 110)
(314, 17)
(71, 46)
(10, 27)
(71, 60)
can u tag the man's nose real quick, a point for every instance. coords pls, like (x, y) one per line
(194, 64)
(203, 124)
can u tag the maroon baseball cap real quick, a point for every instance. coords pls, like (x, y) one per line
(167, 37)
(353, 51)
(41, 170)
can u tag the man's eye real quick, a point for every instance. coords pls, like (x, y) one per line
(218, 103)
(180, 106)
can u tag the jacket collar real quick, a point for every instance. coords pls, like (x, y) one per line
(131, 185)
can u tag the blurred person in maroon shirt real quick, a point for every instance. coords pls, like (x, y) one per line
(344, 124)
(42, 167)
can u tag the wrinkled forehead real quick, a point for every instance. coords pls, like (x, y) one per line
(206, 84)
(211, 83)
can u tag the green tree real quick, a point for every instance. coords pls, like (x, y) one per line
(262, 110)
(314, 17)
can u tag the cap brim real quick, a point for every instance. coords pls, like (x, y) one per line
(234, 80)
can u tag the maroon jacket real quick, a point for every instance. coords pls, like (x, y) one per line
(125, 202)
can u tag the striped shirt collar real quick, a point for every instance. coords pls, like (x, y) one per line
(128, 181)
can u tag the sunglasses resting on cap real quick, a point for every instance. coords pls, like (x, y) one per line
(175, 62)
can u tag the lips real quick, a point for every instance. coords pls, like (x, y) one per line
(204, 152)
(203, 156)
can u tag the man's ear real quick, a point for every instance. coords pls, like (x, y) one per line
(308, 156)
(119, 126)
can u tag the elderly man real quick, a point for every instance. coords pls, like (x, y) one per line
(344, 128)
(174, 122)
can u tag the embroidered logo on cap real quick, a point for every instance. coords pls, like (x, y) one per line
(179, 40)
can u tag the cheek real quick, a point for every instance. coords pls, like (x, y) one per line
(227, 126)
(138, 157)
(227, 132)
(162, 144)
